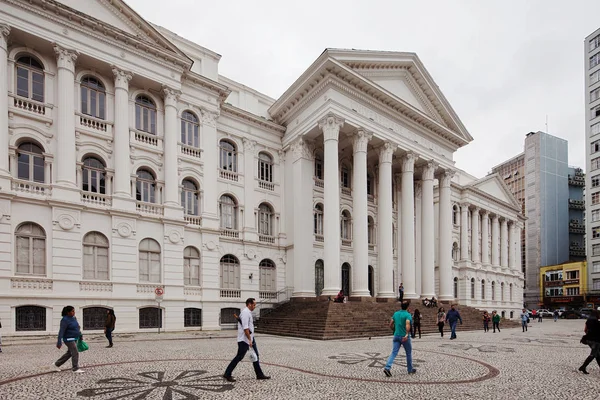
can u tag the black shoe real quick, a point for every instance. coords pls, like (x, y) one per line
(263, 377)
(414, 371)
(229, 378)
(387, 372)
(109, 346)
(582, 369)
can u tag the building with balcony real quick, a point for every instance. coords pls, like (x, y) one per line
(564, 285)
(551, 194)
(129, 165)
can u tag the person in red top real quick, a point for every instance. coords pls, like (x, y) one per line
(486, 321)
(340, 297)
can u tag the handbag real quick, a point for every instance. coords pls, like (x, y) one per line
(527, 319)
(81, 345)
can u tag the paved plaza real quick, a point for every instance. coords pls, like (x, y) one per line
(539, 364)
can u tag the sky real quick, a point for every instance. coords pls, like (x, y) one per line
(505, 66)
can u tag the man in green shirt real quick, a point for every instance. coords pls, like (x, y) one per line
(496, 320)
(401, 321)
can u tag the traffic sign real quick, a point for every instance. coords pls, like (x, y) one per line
(159, 291)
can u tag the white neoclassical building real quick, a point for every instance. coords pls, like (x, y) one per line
(127, 164)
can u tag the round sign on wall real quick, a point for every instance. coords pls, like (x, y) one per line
(159, 291)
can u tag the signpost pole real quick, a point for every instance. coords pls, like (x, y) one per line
(158, 292)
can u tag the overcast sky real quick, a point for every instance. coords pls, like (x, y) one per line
(503, 65)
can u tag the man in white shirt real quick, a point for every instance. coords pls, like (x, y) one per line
(245, 339)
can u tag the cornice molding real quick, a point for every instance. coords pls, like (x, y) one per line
(203, 82)
(245, 116)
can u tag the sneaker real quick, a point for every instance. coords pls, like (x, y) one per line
(413, 371)
(387, 372)
(53, 367)
(79, 371)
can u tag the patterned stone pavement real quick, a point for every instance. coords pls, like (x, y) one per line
(541, 363)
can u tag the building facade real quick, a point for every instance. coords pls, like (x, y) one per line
(563, 285)
(131, 165)
(551, 194)
(592, 157)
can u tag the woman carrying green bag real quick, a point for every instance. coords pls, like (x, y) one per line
(70, 334)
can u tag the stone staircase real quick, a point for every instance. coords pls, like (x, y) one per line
(324, 320)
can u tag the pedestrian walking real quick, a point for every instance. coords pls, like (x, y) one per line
(540, 317)
(496, 321)
(401, 292)
(69, 333)
(109, 326)
(416, 323)
(592, 339)
(534, 315)
(245, 342)
(555, 315)
(400, 322)
(441, 317)
(453, 317)
(486, 322)
(524, 320)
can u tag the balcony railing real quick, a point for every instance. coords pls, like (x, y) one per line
(267, 294)
(193, 220)
(36, 188)
(230, 233)
(191, 151)
(229, 175)
(576, 228)
(346, 242)
(576, 180)
(266, 185)
(92, 123)
(371, 247)
(146, 138)
(31, 283)
(319, 238)
(266, 239)
(319, 182)
(370, 198)
(30, 105)
(577, 204)
(150, 208)
(97, 199)
(346, 191)
(231, 293)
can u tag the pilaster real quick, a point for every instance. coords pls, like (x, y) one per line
(4, 167)
(250, 227)
(208, 135)
(172, 204)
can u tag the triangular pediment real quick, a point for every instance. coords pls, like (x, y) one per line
(495, 187)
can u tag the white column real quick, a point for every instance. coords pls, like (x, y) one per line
(330, 125)
(504, 243)
(495, 242)
(408, 226)
(65, 121)
(360, 238)
(512, 254)
(485, 237)
(475, 234)
(427, 232)
(4, 167)
(399, 227)
(171, 138)
(445, 226)
(385, 255)
(302, 173)
(417, 234)
(208, 134)
(464, 231)
(121, 134)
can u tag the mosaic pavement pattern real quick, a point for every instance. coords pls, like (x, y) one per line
(541, 363)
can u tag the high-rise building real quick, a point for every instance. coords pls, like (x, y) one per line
(592, 155)
(551, 194)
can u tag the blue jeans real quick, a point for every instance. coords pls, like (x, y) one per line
(453, 329)
(108, 335)
(524, 325)
(396, 347)
(242, 350)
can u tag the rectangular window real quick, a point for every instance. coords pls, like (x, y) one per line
(595, 129)
(595, 215)
(596, 266)
(595, 198)
(595, 164)
(596, 252)
(595, 147)
(595, 94)
(573, 291)
(594, 60)
(572, 274)
(595, 181)
(554, 276)
(554, 292)
(596, 232)
(595, 77)
(596, 284)
(594, 43)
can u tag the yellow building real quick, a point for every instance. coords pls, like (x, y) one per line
(563, 285)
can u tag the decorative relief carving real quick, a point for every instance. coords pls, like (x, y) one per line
(124, 227)
(171, 96)
(210, 245)
(122, 77)
(208, 117)
(175, 236)
(66, 219)
(249, 146)
(251, 254)
(429, 170)
(4, 32)
(408, 162)
(66, 58)
(302, 148)
(330, 125)
(386, 151)
(360, 141)
(446, 177)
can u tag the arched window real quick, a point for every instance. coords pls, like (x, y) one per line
(510, 293)
(228, 212)
(472, 288)
(191, 266)
(145, 114)
(345, 225)
(230, 272)
(370, 230)
(319, 277)
(371, 185)
(319, 166)
(192, 317)
(149, 260)
(150, 317)
(30, 162)
(483, 289)
(93, 97)
(268, 275)
(455, 215)
(318, 219)
(145, 186)
(228, 156)
(493, 290)
(265, 167)
(30, 240)
(455, 251)
(456, 288)
(502, 291)
(345, 178)
(190, 129)
(93, 175)
(95, 256)
(94, 318)
(30, 78)
(189, 197)
(30, 318)
(265, 220)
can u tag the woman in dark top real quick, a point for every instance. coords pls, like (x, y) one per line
(69, 333)
(592, 339)
(109, 327)
(416, 323)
